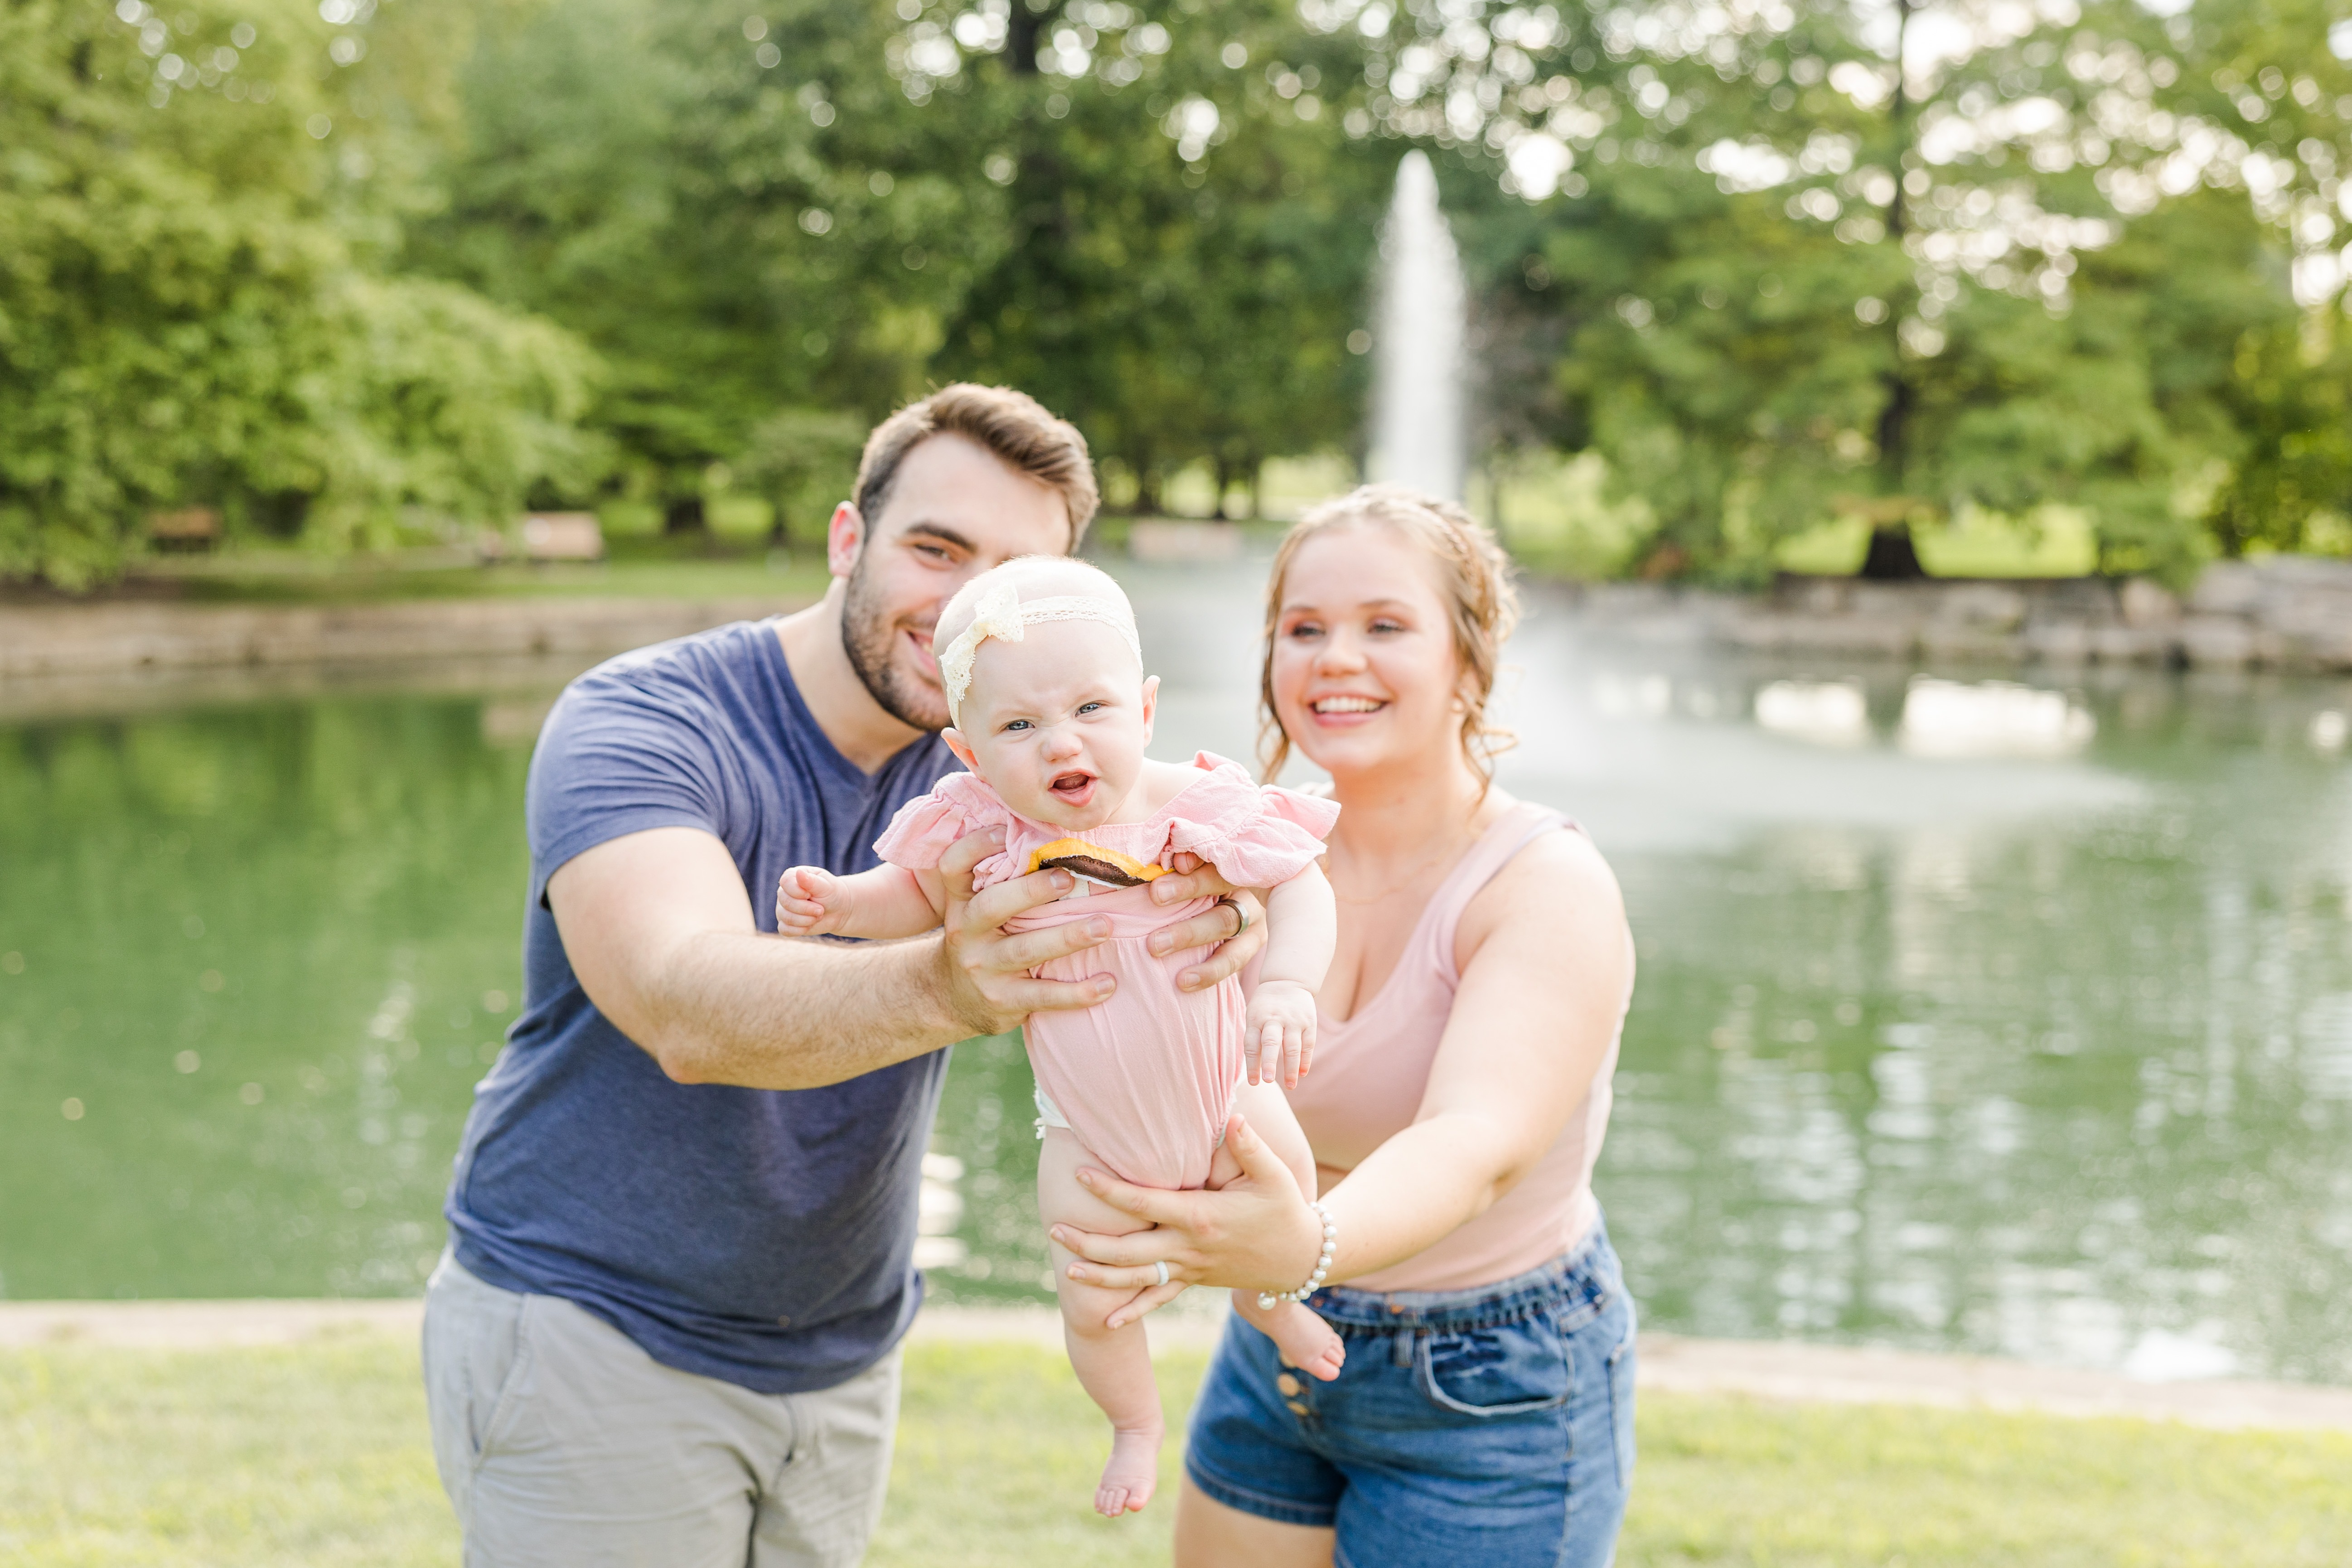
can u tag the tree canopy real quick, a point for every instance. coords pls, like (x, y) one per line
(194, 304)
(345, 268)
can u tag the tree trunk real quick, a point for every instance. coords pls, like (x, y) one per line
(1225, 482)
(684, 514)
(1892, 558)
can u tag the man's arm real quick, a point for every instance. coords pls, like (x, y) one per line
(660, 931)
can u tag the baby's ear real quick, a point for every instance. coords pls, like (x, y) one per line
(1150, 705)
(960, 747)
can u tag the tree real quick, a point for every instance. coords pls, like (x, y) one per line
(192, 308)
(743, 215)
(1907, 290)
(1189, 225)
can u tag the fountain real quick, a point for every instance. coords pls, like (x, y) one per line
(1420, 427)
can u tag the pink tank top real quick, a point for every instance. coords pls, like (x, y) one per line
(1369, 1074)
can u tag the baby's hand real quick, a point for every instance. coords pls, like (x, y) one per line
(809, 901)
(1280, 1033)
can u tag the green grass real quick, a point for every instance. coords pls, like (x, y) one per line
(317, 1457)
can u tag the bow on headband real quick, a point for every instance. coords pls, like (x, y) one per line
(1001, 615)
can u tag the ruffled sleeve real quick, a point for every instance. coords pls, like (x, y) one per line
(926, 825)
(1256, 835)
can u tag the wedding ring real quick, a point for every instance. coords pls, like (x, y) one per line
(1241, 914)
(1162, 1268)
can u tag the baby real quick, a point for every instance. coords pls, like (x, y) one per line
(1052, 712)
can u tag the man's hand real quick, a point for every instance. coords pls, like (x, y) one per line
(1235, 927)
(987, 966)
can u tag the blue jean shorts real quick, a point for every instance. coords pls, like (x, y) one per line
(1492, 1426)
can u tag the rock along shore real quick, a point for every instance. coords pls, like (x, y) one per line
(2290, 612)
(50, 641)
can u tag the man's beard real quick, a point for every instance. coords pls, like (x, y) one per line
(871, 639)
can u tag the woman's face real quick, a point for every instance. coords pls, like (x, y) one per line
(1365, 674)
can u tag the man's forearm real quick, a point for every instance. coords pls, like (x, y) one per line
(762, 1012)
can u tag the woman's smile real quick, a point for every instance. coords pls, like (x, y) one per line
(1342, 710)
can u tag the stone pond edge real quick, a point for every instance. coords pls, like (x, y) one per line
(2288, 613)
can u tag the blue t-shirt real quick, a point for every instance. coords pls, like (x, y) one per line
(758, 1236)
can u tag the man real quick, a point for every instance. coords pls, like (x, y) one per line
(683, 1210)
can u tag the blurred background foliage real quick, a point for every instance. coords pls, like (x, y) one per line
(364, 270)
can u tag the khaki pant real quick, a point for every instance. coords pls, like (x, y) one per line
(562, 1444)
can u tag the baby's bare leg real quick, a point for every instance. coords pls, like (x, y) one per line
(1113, 1365)
(1305, 1340)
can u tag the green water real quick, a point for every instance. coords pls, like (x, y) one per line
(2031, 1046)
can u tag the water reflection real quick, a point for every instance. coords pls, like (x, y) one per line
(1832, 712)
(263, 951)
(1991, 719)
(2039, 1050)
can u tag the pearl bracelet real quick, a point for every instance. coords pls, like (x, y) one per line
(1266, 1299)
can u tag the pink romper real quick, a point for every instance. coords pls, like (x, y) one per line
(1147, 1078)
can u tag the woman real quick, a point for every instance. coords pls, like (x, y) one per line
(1456, 1104)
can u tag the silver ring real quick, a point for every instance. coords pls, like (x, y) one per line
(1162, 1268)
(1241, 914)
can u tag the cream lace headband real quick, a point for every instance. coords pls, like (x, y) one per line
(1001, 615)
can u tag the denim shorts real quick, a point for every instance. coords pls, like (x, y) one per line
(1492, 1426)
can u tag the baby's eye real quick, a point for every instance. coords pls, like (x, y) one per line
(1016, 724)
(1086, 707)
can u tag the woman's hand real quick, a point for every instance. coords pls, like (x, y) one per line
(1255, 1233)
(988, 978)
(1236, 927)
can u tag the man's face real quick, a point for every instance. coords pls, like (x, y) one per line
(954, 509)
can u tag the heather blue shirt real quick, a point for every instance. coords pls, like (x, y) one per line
(762, 1237)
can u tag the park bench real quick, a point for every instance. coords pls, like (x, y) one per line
(193, 528)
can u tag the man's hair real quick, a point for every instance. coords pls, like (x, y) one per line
(1013, 425)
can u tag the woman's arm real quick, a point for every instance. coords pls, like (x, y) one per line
(1547, 970)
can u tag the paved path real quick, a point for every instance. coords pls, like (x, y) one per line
(1763, 1369)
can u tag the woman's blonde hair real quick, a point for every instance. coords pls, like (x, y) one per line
(1474, 578)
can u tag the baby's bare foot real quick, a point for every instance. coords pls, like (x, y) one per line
(1133, 1471)
(1306, 1341)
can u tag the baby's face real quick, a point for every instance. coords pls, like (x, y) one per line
(1057, 722)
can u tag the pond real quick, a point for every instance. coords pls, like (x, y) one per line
(2007, 1016)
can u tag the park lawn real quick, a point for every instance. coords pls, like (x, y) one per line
(316, 1456)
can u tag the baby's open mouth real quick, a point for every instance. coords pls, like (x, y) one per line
(1074, 786)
